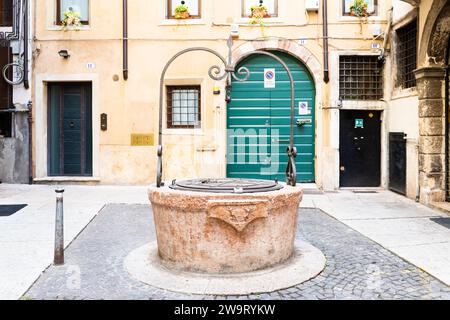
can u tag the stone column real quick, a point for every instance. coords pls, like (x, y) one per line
(430, 88)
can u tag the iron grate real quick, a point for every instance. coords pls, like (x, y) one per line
(407, 55)
(226, 185)
(183, 106)
(360, 78)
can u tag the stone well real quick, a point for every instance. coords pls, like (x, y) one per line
(223, 231)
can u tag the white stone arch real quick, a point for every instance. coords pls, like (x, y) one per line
(290, 47)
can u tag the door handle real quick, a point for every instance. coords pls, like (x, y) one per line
(71, 124)
(282, 140)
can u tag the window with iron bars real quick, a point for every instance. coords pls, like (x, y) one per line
(360, 78)
(407, 55)
(183, 106)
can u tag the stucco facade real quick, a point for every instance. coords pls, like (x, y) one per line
(420, 112)
(132, 105)
(14, 146)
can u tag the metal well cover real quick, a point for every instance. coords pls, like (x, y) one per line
(226, 185)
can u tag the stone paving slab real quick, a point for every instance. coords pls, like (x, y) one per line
(357, 267)
(27, 237)
(395, 222)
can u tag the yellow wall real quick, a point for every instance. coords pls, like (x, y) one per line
(132, 106)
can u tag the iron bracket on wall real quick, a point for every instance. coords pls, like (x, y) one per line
(229, 72)
(20, 10)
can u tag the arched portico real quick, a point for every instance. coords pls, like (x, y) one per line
(430, 76)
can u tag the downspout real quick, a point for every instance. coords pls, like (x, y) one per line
(26, 83)
(386, 35)
(326, 73)
(30, 142)
(125, 39)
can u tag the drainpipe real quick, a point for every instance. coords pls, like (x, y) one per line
(326, 76)
(26, 83)
(125, 39)
(30, 142)
(386, 35)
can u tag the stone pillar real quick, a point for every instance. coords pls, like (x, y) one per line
(430, 88)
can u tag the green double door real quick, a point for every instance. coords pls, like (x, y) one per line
(258, 121)
(70, 129)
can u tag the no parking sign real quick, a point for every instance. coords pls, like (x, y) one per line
(269, 78)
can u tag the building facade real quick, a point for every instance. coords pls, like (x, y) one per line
(97, 89)
(15, 91)
(418, 55)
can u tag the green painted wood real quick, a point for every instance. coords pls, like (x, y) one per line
(70, 129)
(258, 122)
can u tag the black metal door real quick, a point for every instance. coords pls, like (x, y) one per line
(360, 148)
(397, 162)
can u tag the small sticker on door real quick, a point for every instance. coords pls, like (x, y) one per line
(359, 123)
(303, 108)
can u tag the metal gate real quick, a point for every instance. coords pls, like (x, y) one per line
(397, 162)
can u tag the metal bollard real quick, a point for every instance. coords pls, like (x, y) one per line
(59, 229)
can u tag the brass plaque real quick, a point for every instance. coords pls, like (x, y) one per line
(146, 139)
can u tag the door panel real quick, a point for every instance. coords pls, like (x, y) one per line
(70, 129)
(263, 116)
(397, 162)
(360, 147)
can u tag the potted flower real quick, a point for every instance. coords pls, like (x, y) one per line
(182, 11)
(258, 13)
(359, 9)
(71, 19)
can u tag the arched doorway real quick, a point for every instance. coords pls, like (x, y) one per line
(258, 121)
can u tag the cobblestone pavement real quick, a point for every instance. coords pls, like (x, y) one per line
(357, 268)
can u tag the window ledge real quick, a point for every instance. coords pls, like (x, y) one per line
(66, 179)
(404, 93)
(369, 19)
(182, 22)
(363, 104)
(245, 21)
(183, 132)
(59, 28)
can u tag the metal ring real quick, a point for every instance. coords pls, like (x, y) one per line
(5, 76)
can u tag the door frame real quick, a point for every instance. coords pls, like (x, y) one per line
(383, 142)
(40, 129)
(317, 102)
(61, 138)
(383, 148)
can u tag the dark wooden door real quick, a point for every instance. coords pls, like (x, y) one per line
(360, 148)
(70, 129)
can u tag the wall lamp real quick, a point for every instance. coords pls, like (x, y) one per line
(64, 54)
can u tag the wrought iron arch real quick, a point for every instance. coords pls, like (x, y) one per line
(216, 73)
